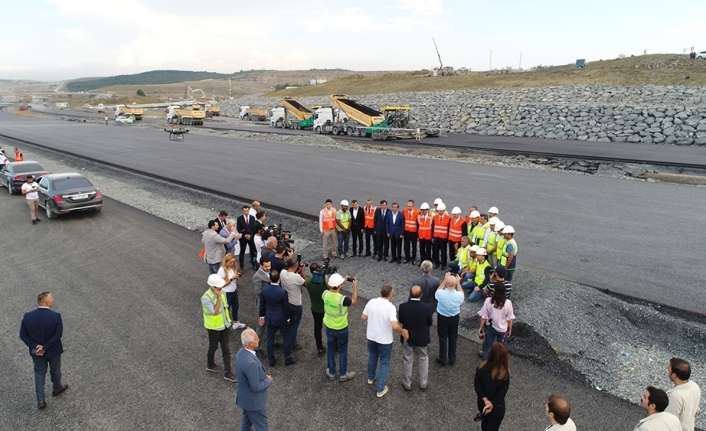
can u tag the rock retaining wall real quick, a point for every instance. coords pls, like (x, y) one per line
(647, 115)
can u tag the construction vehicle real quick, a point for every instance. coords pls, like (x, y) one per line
(389, 123)
(292, 115)
(101, 108)
(213, 111)
(328, 119)
(253, 114)
(189, 117)
(129, 112)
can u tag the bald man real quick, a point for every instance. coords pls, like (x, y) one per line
(449, 298)
(415, 317)
(558, 410)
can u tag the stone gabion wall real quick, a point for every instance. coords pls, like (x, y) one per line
(647, 115)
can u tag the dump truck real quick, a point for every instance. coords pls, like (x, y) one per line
(129, 112)
(328, 119)
(253, 114)
(213, 111)
(189, 117)
(292, 115)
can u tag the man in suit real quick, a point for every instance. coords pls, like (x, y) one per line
(428, 283)
(274, 311)
(395, 231)
(244, 226)
(252, 390)
(221, 220)
(41, 331)
(357, 227)
(260, 279)
(415, 317)
(382, 242)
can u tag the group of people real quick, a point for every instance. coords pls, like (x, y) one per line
(29, 189)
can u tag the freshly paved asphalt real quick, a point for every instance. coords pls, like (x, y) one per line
(128, 286)
(632, 237)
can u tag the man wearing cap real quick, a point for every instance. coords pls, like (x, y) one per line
(424, 232)
(509, 256)
(327, 226)
(336, 322)
(369, 212)
(480, 280)
(216, 319)
(343, 229)
(411, 226)
(382, 241)
(357, 227)
(449, 298)
(274, 312)
(457, 227)
(395, 231)
(440, 235)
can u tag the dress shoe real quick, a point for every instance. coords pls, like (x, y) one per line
(367, 255)
(272, 364)
(393, 260)
(296, 346)
(437, 266)
(42, 404)
(407, 261)
(440, 362)
(379, 259)
(399, 260)
(322, 352)
(37, 220)
(291, 361)
(61, 390)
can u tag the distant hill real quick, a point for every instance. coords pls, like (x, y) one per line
(155, 77)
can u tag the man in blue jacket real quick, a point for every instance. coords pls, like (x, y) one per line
(274, 312)
(252, 389)
(41, 331)
(395, 231)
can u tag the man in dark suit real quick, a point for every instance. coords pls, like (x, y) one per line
(245, 225)
(274, 311)
(221, 219)
(415, 317)
(395, 231)
(428, 283)
(382, 242)
(357, 227)
(252, 390)
(41, 331)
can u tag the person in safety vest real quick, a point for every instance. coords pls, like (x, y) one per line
(327, 226)
(463, 257)
(410, 232)
(336, 322)
(440, 235)
(343, 229)
(424, 232)
(469, 271)
(435, 210)
(499, 240)
(18, 155)
(470, 211)
(490, 241)
(216, 319)
(509, 256)
(457, 229)
(480, 280)
(473, 227)
(369, 212)
(493, 212)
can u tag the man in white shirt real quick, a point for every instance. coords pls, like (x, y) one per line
(685, 396)
(558, 410)
(655, 401)
(29, 189)
(381, 316)
(292, 281)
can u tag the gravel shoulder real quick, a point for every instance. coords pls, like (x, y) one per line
(615, 345)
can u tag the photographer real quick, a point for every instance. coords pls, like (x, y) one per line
(316, 285)
(281, 253)
(30, 189)
(292, 281)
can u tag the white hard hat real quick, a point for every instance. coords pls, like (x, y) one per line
(499, 226)
(509, 229)
(441, 207)
(493, 220)
(493, 210)
(481, 251)
(438, 201)
(456, 210)
(475, 214)
(474, 248)
(344, 203)
(215, 280)
(425, 206)
(335, 280)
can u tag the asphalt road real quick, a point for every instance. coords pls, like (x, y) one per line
(128, 287)
(631, 237)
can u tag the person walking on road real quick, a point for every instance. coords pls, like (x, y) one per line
(41, 330)
(449, 298)
(31, 192)
(558, 411)
(216, 319)
(252, 390)
(415, 317)
(685, 396)
(655, 402)
(491, 383)
(381, 315)
(327, 226)
(336, 322)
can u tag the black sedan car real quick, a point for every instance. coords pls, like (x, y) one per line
(14, 174)
(63, 193)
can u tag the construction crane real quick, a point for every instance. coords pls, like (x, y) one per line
(441, 65)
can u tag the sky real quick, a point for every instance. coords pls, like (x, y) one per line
(50, 40)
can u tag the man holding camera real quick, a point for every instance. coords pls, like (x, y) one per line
(316, 285)
(336, 322)
(292, 281)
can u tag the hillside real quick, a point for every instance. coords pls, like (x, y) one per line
(145, 78)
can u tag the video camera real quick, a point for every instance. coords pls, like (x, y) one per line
(283, 236)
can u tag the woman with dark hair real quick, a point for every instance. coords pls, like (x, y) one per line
(491, 383)
(495, 318)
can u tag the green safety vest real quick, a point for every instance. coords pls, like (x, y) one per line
(336, 315)
(481, 234)
(480, 272)
(215, 322)
(464, 254)
(501, 244)
(345, 218)
(503, 261)
(477, 237)
(492, 239)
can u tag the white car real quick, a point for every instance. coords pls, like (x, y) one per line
(123, 119)
(701, 55)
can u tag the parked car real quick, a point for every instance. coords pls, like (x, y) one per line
(14, 174)
(701, 55)
(63, 193)
(123, 119)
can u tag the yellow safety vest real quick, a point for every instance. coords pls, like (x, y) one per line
(213, 321)
(480, 272)
(503, 261)
(464, 255)
(501, 244)
(345, 218)
(481, 234)
(492, 239)
(336, 315)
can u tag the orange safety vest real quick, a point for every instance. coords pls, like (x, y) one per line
(329, 221)
(369, 217)
(468, 218)
(441, 227)
(455, 232)
(18, 156)
(424, 227)
(410, 222)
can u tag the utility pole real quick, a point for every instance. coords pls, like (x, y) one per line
(230, 89)
(491, 60)
(186, 91)
(520, 66)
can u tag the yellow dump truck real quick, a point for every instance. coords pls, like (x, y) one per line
(253, 114)
(129, 112)
(188, 117)
(292, 115)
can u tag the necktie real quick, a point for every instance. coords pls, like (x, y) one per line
(246, 221)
